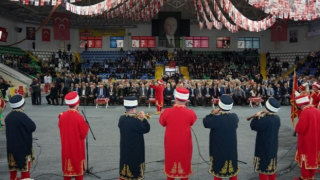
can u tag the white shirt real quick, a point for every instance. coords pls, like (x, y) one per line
(49, 79)
(46, 79)
(83, 92)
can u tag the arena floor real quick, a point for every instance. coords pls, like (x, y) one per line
(104, 152)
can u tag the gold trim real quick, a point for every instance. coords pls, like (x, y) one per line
(224, 168)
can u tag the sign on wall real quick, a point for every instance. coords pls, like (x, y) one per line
(103, 32)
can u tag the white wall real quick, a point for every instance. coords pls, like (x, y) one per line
(304, 42)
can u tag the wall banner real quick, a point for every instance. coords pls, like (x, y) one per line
(103, 32)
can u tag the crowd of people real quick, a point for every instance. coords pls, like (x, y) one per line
(91, 87)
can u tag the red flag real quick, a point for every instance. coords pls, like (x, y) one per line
(279, 31)
(4, 36)
(46, 34)
(61, 24)
(294, 108)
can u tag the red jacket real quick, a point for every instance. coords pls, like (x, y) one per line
(158, 94)
(308, 126)
(178, 141)
(73, 131)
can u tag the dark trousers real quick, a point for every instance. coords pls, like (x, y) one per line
(51, 98)
(207, 100)
(168, 100)
(33, 98)
(238, 100)
(193, 100)
(38, 97)
(112, 99)
(62, 99)
(90, 100)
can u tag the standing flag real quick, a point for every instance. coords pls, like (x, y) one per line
(46, 34)
(294, 108)
(279, 30)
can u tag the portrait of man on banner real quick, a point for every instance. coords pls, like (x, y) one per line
(293, 36)
(31, 33)
(170, 29)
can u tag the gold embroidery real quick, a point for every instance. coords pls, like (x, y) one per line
(18, 110)
(222, 113)
(270, 165)
(70, 168)
(180, 170)
(231, 170)
(123, 171)
(211, 159)
(174, 168)
(142, 169)
(129, 174)
(12, 162)
(224, 169)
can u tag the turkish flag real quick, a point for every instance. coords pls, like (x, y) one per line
(279, 30)
(61, 24)
(4, 36)
(46, 34)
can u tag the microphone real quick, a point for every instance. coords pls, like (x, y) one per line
(35, 138)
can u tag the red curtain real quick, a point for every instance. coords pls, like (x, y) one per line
(61, 24)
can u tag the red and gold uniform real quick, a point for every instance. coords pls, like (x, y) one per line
(307, 128)
(178, 140)
(73, 131)
(158, 95)
(315, 96)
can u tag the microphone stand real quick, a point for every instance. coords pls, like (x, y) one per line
(89, 170)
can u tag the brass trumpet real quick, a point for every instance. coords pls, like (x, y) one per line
(253, 116)
(147, 116)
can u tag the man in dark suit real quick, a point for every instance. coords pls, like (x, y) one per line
(88, 79)
(101, 92)
(192, 95)
(215, 91)
(53, 95)
(150, 92)
(142, 94)
(91, 94)
(264, 93)
(199, 95)
(285, 94)
(111, 92)
(121, 94)
(63, 91)
(169, 39)
(277, 92)
(168, 94)
(83, 95)
(77, 89)
(207, 95)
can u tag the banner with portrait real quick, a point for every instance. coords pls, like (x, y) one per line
(169, 29)
(31, 33)
(293, 36)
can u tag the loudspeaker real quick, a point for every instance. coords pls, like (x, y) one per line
(18, 29)
(129, 34)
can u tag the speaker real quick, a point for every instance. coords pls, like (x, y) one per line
(19, 30)
(129, 34)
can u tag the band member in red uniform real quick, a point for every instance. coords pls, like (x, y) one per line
(267, 125)
(315, 96)
(73, 131)
(307, 128)
(304, 88)
(159, 88)
(19, 129)
(178, 141)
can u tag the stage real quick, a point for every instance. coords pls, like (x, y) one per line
(104, 152)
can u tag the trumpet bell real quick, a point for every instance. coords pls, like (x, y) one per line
(148, 116)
